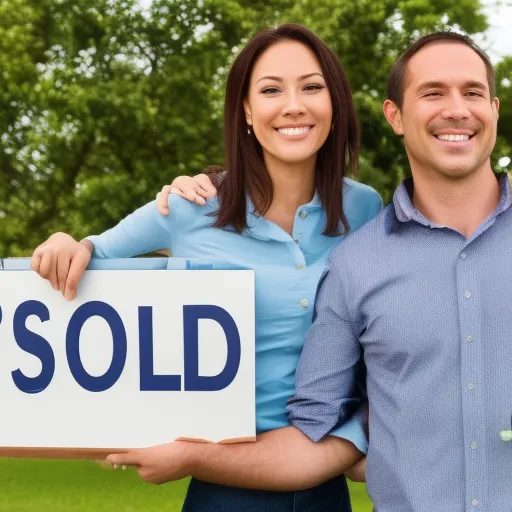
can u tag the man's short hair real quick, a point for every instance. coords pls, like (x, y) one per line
(396, 77)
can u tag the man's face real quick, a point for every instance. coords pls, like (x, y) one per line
(448, 118)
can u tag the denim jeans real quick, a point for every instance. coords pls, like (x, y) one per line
(331, 496)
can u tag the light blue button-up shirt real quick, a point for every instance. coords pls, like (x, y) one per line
(432, 313)
(287, 271)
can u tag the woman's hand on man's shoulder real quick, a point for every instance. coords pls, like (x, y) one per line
(196, 189)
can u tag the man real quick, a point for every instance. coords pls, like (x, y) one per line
(427, 300)
(424, 292)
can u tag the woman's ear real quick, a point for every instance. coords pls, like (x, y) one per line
(248, 115)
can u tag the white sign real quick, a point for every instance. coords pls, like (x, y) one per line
(139, 358)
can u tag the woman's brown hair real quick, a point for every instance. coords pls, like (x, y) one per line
(246, 171)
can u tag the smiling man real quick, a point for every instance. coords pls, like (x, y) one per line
(424, 293)
(428, 301)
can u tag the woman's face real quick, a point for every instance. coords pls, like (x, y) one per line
(288, 105)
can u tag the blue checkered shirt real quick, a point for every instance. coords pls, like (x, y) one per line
(431, 312)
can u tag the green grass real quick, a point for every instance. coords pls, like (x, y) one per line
(28, 485)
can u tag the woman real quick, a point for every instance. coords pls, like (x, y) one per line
(291, 133)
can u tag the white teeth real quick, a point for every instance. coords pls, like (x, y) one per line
(453, 138)
(301, 130)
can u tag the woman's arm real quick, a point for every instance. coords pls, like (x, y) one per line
(62, 260)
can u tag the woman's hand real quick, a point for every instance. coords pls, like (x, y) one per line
(62, 260)
(195, 189)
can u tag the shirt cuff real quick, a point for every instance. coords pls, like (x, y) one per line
(354, 429)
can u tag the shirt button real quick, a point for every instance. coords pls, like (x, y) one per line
(297, 241)
(304, 303)
(474, 502)
(463, 256)
(303, 214)
(471, 386)
(299, 266)
(469, 338)
(467, 295)
(474, 445)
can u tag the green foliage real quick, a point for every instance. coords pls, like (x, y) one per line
(504, 92)
(104, 101)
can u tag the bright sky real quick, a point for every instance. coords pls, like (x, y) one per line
(499, 35)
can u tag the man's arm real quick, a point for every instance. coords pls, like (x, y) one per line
(287, 458)
(280, 460)
(326, 381)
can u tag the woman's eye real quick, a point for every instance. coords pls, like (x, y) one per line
(270, 90)
(313, 87)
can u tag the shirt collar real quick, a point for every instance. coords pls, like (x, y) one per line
(261, 228)
(405, 211)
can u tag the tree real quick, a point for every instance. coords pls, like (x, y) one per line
(504, 89)
(103, 101)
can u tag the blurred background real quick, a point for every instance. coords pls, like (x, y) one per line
(104, 101)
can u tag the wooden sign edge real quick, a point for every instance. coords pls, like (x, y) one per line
(20, 452)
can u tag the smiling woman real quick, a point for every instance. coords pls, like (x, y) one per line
(291, 135)
(287, 108)
(287, 91)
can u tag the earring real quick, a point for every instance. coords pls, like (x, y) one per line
(248, 131)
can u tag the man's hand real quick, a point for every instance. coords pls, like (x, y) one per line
(62, 260)
(159, 464)
(195, 189)
(357, 473)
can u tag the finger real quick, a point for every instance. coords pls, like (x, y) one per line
(188, 188)
(35, 262)
(45, 265)
(193, 192)
(200, 195)
(48, 267)
(166, 190)
(162, 203)
(76, 269)
(162, 200)
(63, 262)
(103, 463)
(132, 458)
(206, 185)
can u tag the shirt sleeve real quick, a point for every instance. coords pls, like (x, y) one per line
(326, 385)
(355, 429)
(143, 231)
(375, 206)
